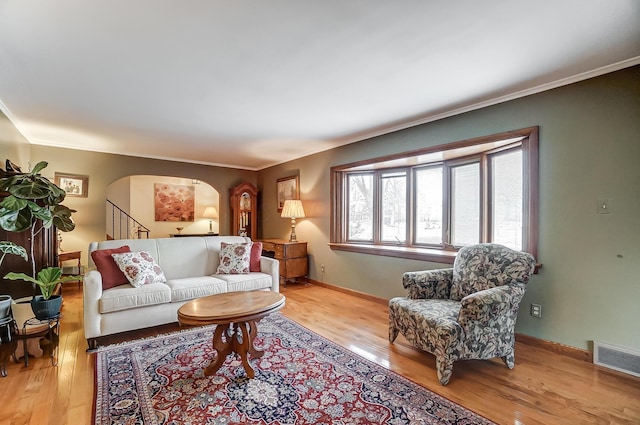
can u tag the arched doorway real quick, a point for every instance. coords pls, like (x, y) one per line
(163, 205)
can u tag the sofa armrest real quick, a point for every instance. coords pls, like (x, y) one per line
(92, 292)
(428, 283)
(271, 267)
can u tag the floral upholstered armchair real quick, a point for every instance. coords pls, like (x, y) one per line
(465, 312)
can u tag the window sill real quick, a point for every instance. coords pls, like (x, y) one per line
(423, 254)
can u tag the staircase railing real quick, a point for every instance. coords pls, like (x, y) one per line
(122, 226)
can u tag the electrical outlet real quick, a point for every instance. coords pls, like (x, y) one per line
(322, 268)
(536, 310)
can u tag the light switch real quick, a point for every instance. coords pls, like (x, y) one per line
(604, 206)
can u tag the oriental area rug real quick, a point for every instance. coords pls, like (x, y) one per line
(302, 378)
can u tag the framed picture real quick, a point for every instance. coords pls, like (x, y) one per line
(73, 184)
(174, 202)
(287, 188)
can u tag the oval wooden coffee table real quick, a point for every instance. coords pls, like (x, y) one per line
(237, 315)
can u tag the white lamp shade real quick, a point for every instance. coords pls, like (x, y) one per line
(292, 208)
(210, 212)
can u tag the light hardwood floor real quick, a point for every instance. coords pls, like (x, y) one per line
(544, 388)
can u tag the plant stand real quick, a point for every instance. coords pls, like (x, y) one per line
(52, 333)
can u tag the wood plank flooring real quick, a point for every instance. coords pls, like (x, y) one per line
(544, 387)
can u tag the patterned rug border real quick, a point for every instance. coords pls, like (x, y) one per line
(100, 350)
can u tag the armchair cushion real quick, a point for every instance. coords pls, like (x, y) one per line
(484, 266)
(428, 322)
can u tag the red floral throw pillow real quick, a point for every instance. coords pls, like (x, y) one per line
(111, 273)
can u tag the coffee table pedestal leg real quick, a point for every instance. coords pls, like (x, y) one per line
(239, 341)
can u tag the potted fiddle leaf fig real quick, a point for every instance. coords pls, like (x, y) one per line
(34, 203)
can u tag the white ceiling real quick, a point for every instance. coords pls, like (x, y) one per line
(251, 84)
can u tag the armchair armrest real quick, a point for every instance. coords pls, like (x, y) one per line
(428, 283)
(484, 306)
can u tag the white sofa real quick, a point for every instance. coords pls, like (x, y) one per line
(189, 265)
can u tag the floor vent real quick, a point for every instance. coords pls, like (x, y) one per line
(617, 358)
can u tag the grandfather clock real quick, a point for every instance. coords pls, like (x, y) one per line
(244, 210)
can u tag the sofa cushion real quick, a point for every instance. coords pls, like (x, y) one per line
(139, 268)
(186, 257)
(106, 265)
(189, 288)
(254, 260)
(125, 297)
(246, 282)
(234, 258)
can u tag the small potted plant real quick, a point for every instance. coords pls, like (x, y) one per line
(33, 204)
(46, 305)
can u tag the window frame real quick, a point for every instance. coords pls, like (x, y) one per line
(445, 253)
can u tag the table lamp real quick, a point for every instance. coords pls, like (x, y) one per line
(292, 208)
(210, 213)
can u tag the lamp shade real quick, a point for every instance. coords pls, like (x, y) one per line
(292, 208)
(210, 212)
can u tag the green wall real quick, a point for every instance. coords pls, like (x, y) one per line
(589, 150)
(589, 285)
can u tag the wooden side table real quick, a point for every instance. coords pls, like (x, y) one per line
(71, 255)
(292, 256)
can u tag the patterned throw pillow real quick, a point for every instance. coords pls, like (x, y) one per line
(139, 268)
(234, 258)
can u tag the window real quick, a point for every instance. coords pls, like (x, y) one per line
(360, 213)
(465, 204)
(428, 195)
(428, 203)
(394, 207)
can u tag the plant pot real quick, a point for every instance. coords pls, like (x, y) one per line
(5, 306)
(46, 309)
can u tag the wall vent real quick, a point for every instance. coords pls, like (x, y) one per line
(617, 358)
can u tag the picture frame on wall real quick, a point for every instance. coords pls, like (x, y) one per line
(75, 185)
(287, 188)
(174, 202)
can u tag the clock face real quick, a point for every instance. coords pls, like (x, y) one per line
(245, 201)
